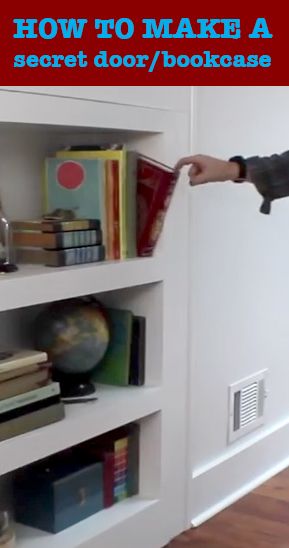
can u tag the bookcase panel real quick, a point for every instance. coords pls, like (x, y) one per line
(43, 124)
(171, 97)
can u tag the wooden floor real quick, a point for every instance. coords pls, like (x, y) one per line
(260, 520)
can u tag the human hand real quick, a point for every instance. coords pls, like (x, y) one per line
(206, 169)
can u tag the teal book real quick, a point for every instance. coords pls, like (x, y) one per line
(115, 366)
(75, 185)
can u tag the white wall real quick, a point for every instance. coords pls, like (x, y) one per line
(239, 296)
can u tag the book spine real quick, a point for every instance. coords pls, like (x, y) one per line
(116, 210)
(23, 359)
(80, 255)
(47, 226)
(21, 385)
(108, 479)
(133, 459)
(32, 421)
(122, 206)
(155, 226)
(30, 408)
(66, 257)
(109, 209)
(120, 469)
(80, 238)
(70, 226)
(27, 398)
(131, 203)
(22, 371)
(137, 358)
(57, 240)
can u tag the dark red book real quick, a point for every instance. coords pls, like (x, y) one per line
(155, 186)
(108, 479)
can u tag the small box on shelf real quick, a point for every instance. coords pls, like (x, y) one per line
(54, 496)
(62, 490)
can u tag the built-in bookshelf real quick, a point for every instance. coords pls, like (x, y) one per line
(34, 122)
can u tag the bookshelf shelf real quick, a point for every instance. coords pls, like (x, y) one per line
(115, 407)
(50, 110)
(89, 533)
(34, 284)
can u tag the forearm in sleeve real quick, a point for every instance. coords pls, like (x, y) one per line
(270, 175)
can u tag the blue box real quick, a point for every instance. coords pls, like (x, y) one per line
(54, 495)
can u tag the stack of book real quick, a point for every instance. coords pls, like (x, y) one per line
(128, 192)
(28, 397)
(58, 243)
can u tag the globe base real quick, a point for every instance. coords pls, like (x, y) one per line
(75, 386)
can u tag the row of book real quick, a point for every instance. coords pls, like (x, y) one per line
(66, 488)
(29, 399)
(127, 192)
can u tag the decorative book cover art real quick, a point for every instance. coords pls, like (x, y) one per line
(75, 185)
(119, 155)
(125, 203)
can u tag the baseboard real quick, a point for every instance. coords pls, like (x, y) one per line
(219, 484)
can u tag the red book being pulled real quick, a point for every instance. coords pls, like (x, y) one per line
(155, 186)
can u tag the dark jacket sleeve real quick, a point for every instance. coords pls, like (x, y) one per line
(270, 175)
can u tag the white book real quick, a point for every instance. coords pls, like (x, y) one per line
(52, 389)
(21, 358)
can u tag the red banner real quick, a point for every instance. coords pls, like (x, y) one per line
(223, 47)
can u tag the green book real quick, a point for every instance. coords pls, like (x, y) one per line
(115, 366)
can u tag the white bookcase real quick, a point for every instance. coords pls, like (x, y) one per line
(34, 122)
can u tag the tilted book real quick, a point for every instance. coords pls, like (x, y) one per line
(155, 187)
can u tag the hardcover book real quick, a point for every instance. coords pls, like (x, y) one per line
(115, 366)
(155, 187)
(61, 257)
(137, 358)
(57, 240)
(124, 205)
(54, 225)
(75, 185)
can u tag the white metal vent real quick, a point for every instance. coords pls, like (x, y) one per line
(246, 405)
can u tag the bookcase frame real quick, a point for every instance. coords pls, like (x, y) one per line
(33, 123)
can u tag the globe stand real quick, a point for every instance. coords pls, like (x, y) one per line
(74, 386)
(7, 268)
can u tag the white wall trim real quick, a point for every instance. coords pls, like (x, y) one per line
(240, 493)
(240, 447)
(227, 479)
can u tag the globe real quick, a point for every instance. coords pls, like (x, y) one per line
(75, 335)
